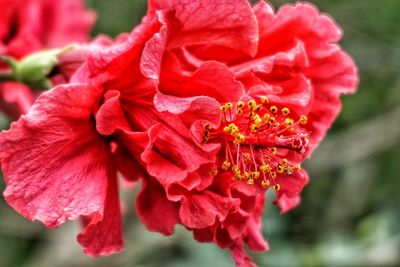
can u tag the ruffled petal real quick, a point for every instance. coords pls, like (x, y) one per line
(292, 23)
(331, 77)
(54, 163)
(201, 210)
(154, 209)
(212, 79)
(230, 23)
(288, 196)
(15, 99)
(240, 257)
(105, 237)
(110, 115)
(67, 22)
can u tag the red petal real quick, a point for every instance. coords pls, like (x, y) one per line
(105, 237)
(110, 115)
(292, 23)
(240, 256)
(288, 196)
(331, 76)
(155, 210)
(208, 80)
(286, 203)
(201, 210)
(229, 23)
(68, 22)
(54, 163)
(16, 99)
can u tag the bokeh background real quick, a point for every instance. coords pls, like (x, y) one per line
(350, 211)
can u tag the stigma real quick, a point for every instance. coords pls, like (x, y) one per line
(261, 142)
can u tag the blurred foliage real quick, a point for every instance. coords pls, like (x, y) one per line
(350, 211)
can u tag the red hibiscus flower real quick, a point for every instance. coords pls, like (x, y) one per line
(277, 103)
(29, 26)
(214, 108)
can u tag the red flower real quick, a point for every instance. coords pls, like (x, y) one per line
(276, 102)
(195, 100)
(29, 26)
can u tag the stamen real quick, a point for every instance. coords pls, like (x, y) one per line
(254, 140)
(285, 111)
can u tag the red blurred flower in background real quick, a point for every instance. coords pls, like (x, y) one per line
(210, 110)
(27, 26)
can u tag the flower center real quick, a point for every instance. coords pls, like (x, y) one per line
(261, 142)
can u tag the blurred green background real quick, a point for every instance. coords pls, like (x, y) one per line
(350, 211)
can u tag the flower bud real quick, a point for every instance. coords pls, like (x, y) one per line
(34, 69)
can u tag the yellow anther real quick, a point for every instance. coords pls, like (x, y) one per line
(222, 108)
(239, 138)
(207, 127)
(227, 129)
(246, 156)
(265, 168)
(237, 177)
(266, 117)
(228, 105)
(276, 124)
(288, 122)
(225, 166)
(273, 150)
(289, 170)
(273, 175)
(285, 160)
(273, 109)
(255, 175)
(276, 187)
(280, 169)
(250, 182)
(236, 169)
(213, 172)
(239, 111)
(251, 104)
(254, 128)
(264, 100)
(246, 175)
(296, 167)
(240, 104)
(285, 111)
(265, 183)
(303, 119)
(258, 108)
(257, 119)
(233, 129)
(272, 119)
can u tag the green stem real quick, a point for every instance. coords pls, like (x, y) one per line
(9, 61)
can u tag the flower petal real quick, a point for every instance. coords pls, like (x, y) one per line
(54, 163)
(212, 79)
(240, 256)
(288, 196)
(154, 209)
(16, 99)
(229, 23)
(105, 237)
(201, 210)
(110, 115)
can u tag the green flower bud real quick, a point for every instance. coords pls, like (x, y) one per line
(34, 69)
